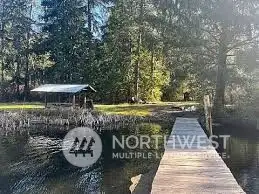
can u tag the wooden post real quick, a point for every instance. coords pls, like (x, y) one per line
(46, 100)
(74, 101)
(208, 110)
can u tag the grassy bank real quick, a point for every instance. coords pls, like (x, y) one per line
(16, 116)
(141, 109)
(20, 106)
(120, 109)
(151, 112)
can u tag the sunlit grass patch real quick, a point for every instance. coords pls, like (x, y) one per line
(140, 109)
(120, 109)
(125, 109)
(20, 106)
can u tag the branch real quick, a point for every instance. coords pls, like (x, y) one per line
(210, 50)
(242, 43)
(212, 35)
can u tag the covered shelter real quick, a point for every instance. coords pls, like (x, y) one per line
(64, 89)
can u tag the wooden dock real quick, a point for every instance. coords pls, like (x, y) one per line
(194, 169)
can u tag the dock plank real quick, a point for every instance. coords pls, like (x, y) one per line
(193, 169)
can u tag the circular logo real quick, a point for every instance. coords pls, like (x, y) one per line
(82, 147)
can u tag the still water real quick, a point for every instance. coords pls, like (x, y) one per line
(242, 156)
(33, 162)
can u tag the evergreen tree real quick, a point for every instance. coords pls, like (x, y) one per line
(66, 39)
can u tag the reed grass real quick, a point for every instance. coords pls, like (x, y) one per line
(15, 120)
(11, 121)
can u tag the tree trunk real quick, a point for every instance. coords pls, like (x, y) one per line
(2, 53)
(26, 79)
(152, 72)
(2, 25)
(137, 79)
(17, 80)
(2, 62)
(2, 72)
(91, 54)
(139, 42)
(219, 100)
(89, 14)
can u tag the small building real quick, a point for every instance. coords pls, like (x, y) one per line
(72, 90)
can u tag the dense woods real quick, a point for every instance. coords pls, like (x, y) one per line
(150, 49)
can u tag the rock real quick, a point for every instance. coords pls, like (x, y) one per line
(142, 183)
(135, 180)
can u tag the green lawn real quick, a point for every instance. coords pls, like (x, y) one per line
(20, 106)
(139, 109)
(125, 109)
(120, 109)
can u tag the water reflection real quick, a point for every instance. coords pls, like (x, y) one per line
(243, 160)
(33, 162)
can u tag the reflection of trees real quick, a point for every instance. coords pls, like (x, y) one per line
(251, 174)
(149, 129)
(117, 173)
(12, 148)
(242, 152)
(37, 163)
(244, 160)
(69, 179)
(27, 161)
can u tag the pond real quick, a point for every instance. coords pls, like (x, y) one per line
(33, 162)
(242, 155)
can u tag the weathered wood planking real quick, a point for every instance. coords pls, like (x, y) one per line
(195, 169)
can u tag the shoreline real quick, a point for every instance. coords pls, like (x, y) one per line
(77, 118)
